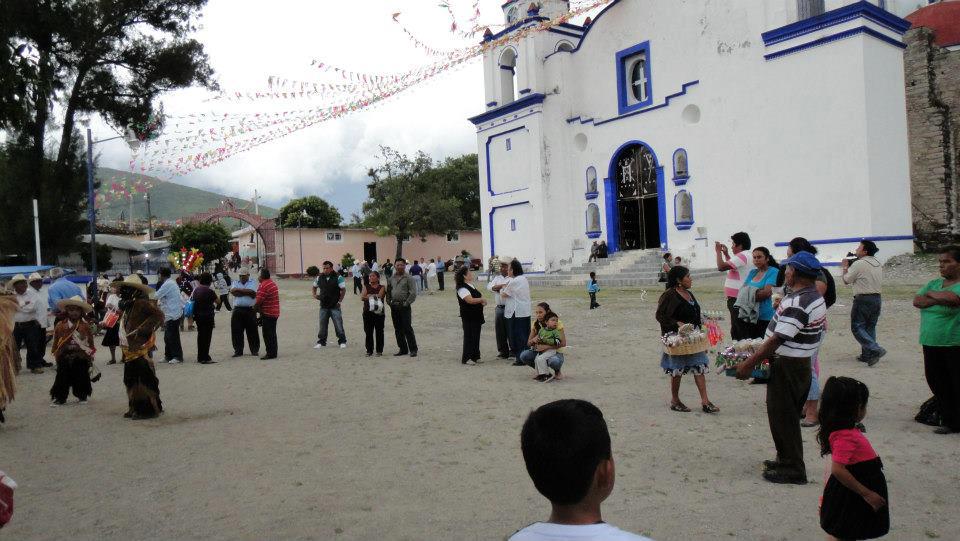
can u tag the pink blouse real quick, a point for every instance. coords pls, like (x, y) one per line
(850, 446)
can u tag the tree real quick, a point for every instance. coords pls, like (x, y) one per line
(211, 239)
(404, 199)
(320, 214)
(347, 260)
(459, 178)
(104, 256)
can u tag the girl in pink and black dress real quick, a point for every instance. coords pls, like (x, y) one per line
(854, 504)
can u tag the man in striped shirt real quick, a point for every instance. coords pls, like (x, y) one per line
(793, 337)
(268, 305)
(737, 267)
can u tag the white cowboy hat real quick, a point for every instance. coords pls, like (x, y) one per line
(134, 282)
(18, 278)
(35, 276)
(74, 301)
(244, 271)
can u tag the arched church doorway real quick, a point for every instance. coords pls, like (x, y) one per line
(638, 208)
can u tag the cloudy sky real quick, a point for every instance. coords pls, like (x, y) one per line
(249, 40)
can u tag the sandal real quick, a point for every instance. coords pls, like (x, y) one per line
(679, 407)
(710, 408)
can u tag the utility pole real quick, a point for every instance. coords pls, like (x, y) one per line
(149, 217)
(256, 234)
(36, 230)
(133, 228)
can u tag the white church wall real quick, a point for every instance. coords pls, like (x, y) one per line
(510, 167)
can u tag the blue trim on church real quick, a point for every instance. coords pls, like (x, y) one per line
(859, 10)
(522, 103)
(682, 225)
(851, 240)
(836, 37)
(487, 155)
(493, 210)
(623, 83)
(680, 180)
(665, 103)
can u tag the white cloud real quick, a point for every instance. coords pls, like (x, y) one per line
(249, 40)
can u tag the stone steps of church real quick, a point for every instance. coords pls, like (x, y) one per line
(621, 279)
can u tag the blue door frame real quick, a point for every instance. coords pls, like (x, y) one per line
(610, 199)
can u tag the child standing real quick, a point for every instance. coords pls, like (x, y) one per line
(73, 348)
(592, 288)
(549, 334)
(854, 504)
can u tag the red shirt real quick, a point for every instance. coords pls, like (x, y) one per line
(268, 298)
(850, 446)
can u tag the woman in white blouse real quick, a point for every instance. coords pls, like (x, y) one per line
(516, 310)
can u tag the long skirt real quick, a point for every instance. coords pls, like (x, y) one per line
(73, 372)
(143, 388)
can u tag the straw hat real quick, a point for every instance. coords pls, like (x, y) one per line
(134, 281)
(35, 276)
(74, 301)
(244, 271)
(18, 278)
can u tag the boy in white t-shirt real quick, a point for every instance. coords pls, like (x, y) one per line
(566, 448)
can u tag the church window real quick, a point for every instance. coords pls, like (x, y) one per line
(591, 180)
(334, 237)
(508, 76)
(453, 236)
(593, 218)
(639, 82)
(508, 144)
(683, 210)
(565, 46)
(680, 169)
(512, 15)
(634, 81)
(809, 8)
(513, 224)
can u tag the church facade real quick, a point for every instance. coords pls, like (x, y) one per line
(671, 124)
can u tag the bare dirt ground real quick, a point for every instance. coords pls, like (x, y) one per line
(330, 444)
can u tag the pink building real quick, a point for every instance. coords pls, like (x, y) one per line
(321, 245)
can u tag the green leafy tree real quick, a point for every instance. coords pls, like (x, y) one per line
(404, 199)
(319, 213)
(211, 239)
(104, 256)
(347, 260)
(459, 178)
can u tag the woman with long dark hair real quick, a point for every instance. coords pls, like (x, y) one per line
(516, 296)
(471, 314)
(763, 277)
(677, 306)
(528, 356)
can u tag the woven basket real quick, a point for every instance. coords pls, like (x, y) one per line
(688, 349)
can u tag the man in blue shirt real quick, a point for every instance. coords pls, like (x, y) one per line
(171, 303)
(244, 318)
(61, 289)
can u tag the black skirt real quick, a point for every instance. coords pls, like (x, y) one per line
(845, 514)
(112, 337)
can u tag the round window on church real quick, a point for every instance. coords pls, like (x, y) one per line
(580, 141)
(691, 114)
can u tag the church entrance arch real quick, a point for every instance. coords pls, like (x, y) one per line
(266, 229)
(635, 201)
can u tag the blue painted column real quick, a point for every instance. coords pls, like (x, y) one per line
(613, 217)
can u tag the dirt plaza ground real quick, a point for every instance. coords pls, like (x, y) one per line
(331, 444)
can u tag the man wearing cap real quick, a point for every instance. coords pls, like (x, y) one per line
(500, 321)
(866, 276)
(792, 338)
(26, 330)
(60, 289)
(171, 303)
(244, 318)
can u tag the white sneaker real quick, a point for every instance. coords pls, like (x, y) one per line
(55, 404)
(343, 346)
(174, 361)
(318, 346)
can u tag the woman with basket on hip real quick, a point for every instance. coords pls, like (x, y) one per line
(679, 315)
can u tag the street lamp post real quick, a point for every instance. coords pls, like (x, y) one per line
(303, 214)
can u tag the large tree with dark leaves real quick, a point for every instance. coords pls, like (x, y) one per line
(319, 213)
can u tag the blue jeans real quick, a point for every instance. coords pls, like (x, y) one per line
(528, 355)
(325, 315)
(863, 324)
(519, 332)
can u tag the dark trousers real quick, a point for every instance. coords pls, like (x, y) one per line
(28, 334)
(737, 331)
(172, 349)
(402, 317)
(941, 365)
(755, 330)
(593, 301)
(863, 324)
(205, 327)
(502, 329)
(269, 334)
(244, 320)
(440, 281)
(225, 302)
(471, 340)
(786, 394)
(373, 328)
(519, 332)
(73, 372)
(357, 284)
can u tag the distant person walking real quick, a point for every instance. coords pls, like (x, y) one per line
(401, 294)
(736, 266)
(357, 278)
(500, 324)
(471, 304)
(244, 318)
(170, 301)
(592, 289)
(516, 295)
(866, 276)
(26, 330)
(416, 271)
(221, 284)
(374, 317)
(205, 305)
(329, 288)
(267, 304)
(441, 268)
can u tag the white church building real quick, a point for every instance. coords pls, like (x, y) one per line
(671, 124)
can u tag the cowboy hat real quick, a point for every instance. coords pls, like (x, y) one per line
(244, 271)
(134, 282)
(74, 301)
(18, 278)
(35, 276)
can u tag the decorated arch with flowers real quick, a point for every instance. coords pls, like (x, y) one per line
(266, 228)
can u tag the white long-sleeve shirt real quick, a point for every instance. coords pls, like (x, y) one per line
(27, 306)
(516, 296)
(497, 281)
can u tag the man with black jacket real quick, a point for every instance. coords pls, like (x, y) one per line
(329, 288)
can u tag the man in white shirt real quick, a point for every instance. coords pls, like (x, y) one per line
(431, 272)
(516, 308)
(499, 320)
(566, 447)
(357, 277)
(26, 330)
(171, 303)
(43, 314)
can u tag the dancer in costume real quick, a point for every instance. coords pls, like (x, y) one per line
(9, 354)
(141, 319)
(74, 350)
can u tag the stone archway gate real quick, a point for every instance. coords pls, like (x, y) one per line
(265, 227)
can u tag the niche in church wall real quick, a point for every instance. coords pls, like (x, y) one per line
(683, 210)
(681, 168)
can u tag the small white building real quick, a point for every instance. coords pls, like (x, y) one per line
(671, 124)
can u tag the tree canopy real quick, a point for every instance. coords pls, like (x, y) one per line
(210, 238)
(319, 213)
(459, 178)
